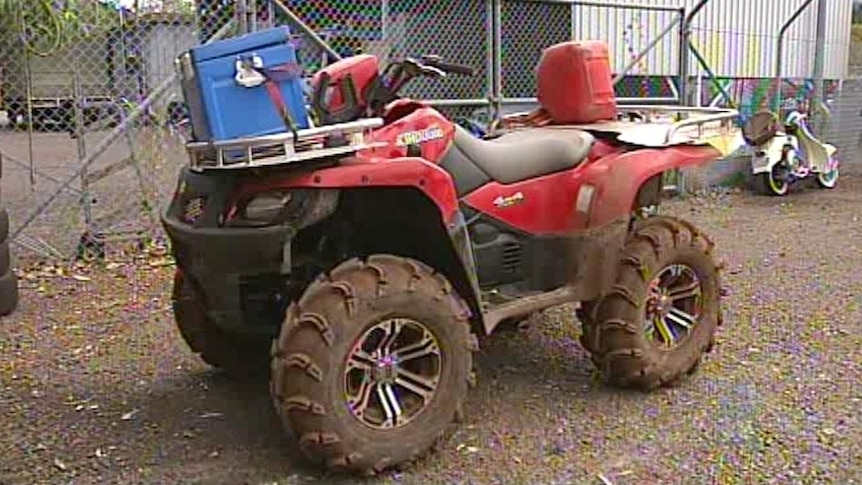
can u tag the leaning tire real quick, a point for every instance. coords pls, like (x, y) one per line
(4, 224)
(639, 340)
(5, 257)
(8, 293)
(237, 355)
(330, 377)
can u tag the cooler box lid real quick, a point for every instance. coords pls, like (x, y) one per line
(241, 44)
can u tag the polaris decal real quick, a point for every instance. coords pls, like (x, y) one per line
(420, 136)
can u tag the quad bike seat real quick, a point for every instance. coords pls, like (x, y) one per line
(522, 155)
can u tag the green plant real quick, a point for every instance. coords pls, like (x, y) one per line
(44, 26)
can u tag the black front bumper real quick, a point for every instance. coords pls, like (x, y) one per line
(220, 258)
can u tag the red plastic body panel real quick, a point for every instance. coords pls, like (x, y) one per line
(362, 68)
(408, 122)
(549, 202)
(363, 172)
(575, 83)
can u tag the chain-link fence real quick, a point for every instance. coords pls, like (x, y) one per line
(95, 122)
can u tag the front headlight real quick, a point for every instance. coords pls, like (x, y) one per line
(299, 208)
(267, 208)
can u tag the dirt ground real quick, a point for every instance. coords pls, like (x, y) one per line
(97, 387)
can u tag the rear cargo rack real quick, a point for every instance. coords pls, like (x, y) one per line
(649, 125)
(682, 124)
(338, 140)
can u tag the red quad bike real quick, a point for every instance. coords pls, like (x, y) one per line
(360, 258)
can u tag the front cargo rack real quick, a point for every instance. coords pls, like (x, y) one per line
(338, 140)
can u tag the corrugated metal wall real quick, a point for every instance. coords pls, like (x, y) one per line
(737, 37)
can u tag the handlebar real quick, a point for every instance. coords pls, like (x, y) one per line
(448, 67)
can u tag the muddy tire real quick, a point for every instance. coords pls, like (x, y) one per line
(237, 355)
(642, 336)
(9, 293)
(330, 376)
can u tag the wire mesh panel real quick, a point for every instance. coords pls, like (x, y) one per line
(845, 129)
(643, 42)
(394, 29)
(78, 170)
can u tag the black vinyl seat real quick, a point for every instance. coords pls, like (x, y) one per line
(525, 154)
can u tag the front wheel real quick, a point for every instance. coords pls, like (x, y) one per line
(372, 364)
(662, 314)
(829, 179)
(773, 182)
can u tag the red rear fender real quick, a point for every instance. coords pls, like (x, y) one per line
(355, 173)
(618, 177)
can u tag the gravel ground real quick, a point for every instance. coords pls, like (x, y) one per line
(96, 386)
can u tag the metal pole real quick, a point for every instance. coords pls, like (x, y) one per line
(307, 30)
(709, 72)
(619, 77)
(779, 52)
(498, 58)
(241, 14)
(684, 34)
(490, 64)
(819, 51)
(384, 18)
(684, 45)
(29, 93)
(77, 113)
(252, 15)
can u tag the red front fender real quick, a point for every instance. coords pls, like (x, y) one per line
(618, 177)
(353, 173)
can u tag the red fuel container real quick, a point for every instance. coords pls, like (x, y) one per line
(575, 83)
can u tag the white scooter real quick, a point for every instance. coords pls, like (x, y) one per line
(784, 157)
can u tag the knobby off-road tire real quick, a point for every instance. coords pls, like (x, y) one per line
(616, 336)
(237, 355)
(322, 332)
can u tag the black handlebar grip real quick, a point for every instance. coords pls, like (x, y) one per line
(453, 68)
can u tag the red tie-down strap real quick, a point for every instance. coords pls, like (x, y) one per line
(275, 75)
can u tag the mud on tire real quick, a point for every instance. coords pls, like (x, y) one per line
(310, 382)
(615, 331)
(235, 354)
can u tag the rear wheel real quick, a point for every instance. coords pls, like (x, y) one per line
(663, 311)
(829, 180)
(239, 355)
(373, 364)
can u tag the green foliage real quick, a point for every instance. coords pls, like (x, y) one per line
(44, 26)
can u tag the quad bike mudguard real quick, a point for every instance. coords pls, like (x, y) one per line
(216, 257)
(220, 256)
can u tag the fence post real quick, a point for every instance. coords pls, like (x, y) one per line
(684, 34)
(817, 97)
(496, 73)
(779, 52)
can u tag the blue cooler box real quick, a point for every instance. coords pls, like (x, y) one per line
(221, 107)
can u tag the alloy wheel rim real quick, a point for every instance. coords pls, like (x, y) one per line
(674, 306)
(392, 374)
